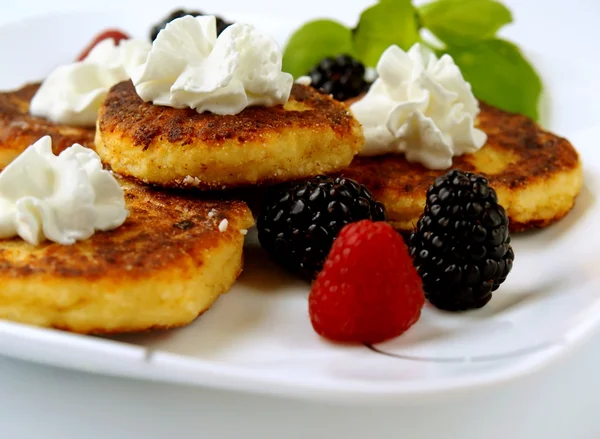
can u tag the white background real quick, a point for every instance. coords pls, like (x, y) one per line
(561, 403)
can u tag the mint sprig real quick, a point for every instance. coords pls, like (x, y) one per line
(508, 82)
(383, 24)
(466, 29)
(313, 42)
(464, 22)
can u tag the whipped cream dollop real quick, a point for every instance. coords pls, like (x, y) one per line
(62, 198)
(420, 106)
(73, 93)
(189, 67)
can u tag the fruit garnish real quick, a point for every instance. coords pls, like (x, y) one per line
(299, 222)
(341, 76)
(368, 290)
(315, 41)
(465, 29)
(178, 13)
(461, 247)
(115, 34)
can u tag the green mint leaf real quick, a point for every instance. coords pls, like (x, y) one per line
(464, 22)
(386, 23)
(313, 42)
(500, 75)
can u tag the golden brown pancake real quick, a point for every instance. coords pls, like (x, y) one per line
(167, 264)
(18, 129)
(536, 174)
(312, 134)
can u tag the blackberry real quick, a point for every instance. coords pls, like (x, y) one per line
(342, 76)
(299, 221)
(461, 247)
(221, 24)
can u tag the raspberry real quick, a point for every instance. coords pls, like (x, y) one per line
(368, 291)
(115, 34)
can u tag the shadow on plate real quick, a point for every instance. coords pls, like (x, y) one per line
(262, 274)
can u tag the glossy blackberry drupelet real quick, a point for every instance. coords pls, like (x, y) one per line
(221, 24)
(299, 222)
(461, 247)
(342, 76)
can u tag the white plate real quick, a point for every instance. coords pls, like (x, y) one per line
(258, 337)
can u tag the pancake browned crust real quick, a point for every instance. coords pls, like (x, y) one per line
(312, 134)
(537, 175)
(167, 264)
(18, 129)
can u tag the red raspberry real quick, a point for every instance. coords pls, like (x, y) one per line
(115, 34)
(369, 290)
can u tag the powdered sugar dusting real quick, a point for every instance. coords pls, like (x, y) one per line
(223, 225)
(191, 181)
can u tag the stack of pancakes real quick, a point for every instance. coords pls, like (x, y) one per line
(182, 245)
(173, 257)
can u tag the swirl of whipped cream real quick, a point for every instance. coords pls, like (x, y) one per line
(420, 106)
(189, 67)
(64, 198)
(73, 93)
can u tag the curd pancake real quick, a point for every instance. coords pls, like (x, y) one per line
(537, 175)
(167, 264)
(312, 134)
(18, 129)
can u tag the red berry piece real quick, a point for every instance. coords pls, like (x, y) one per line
(115, 34)
(369, 290)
